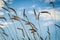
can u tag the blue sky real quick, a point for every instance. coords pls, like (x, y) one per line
(28, 3)
(45, 19)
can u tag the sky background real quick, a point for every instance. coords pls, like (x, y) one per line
(45, 19)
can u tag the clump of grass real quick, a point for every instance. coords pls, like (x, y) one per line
(19, 19)
(33, 27)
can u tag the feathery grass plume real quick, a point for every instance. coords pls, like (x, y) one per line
(43, 12)
(57, 25)
(48, 32)
(46, 12)
(35, 14)
(24, 15)
(41, 38)
(5, 34)
(18, 18)
(22, 31)
(31, 24)
(10, 8)
(33, 30)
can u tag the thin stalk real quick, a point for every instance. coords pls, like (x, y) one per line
(8, 30)
(35, 14)
(34, 29)
(4, 32)
(10, 7)
(22, 31)
(57, 25)
(15, 30)
(48, 33)
(34, 36)
(43, 13)
(41, 38)
(46, 38)
(37, 17)
(24, 15)
(19, 19)
(25, 30)
(3, 38)
(11, 20)
(53, 6)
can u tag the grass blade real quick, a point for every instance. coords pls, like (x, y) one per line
(57, 25)
(41, 38)
(24, 15)
(22, 31)
(5, 34)
(35, 14)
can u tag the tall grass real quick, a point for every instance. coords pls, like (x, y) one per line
(33, 29)
(10, 15)
(8, 29)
